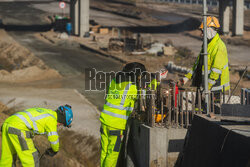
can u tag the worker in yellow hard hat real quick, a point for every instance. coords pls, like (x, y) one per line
(218, 70)
(19, 129)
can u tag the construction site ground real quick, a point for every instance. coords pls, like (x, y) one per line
(37, 72)
(177, 26)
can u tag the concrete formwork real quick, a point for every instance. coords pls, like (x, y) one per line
(214, 143)
(157, 146)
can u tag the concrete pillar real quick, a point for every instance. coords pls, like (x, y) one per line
(238, 17)
(83, 17)
(74, 15)
(224, 13)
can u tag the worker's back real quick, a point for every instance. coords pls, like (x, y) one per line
(119, 104)
(38, 120)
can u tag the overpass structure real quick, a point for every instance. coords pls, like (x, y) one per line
(79, 13)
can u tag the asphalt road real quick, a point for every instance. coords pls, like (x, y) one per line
(22, 21)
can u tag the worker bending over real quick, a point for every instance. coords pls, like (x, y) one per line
(218, 71)
(19, 129)
(119, 104)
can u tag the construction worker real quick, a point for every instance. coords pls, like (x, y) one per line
(218, 78)
(19, 129)
(119, 104)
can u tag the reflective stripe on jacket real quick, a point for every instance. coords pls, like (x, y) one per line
(120, 102)
(39, 121)
(218, 69)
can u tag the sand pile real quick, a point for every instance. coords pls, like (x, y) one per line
(18, 64)
(32, 73)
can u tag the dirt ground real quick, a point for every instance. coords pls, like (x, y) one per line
(79, 150)
(18, 64)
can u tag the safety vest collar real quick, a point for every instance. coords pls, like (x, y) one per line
(213, 41)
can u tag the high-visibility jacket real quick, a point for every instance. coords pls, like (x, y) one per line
(153, 84)
(38, 121)
(218, 69)
(120, 102)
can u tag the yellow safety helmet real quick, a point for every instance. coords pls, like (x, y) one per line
(211, 22)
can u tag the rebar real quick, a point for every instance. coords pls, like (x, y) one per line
(205, 53)
(169, 110)
(193, 105)
(187, 114)
(177, 110)
(181, 109)
(212, 101)
(174, 109)
(199, 100)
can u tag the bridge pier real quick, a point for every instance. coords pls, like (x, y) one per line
(238, 16)
(224, 13)
(79, 14)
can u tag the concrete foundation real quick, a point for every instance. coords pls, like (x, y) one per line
(238, 17)
(154, 147)
(215, 143)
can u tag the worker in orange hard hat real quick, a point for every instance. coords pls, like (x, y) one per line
(218, 70)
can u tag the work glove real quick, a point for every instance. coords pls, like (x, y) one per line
(50, 152)
(183, 81)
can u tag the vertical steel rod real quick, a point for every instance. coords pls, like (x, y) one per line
(181, 108)
(224, 95)
(162, 115)
(220, 102)
(169, 110)
(153, 108)
(167, 114)
(244, 97)
(199, 100)
(177, 110)
(247, 97)
(212, 101)
(174, 109)
(205, 53)
(187, 113)
(193, 105)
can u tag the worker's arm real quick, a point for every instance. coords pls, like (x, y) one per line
(190, 73)
(51, 130)
(218, 64)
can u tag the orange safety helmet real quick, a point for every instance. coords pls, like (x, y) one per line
(211, 22)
